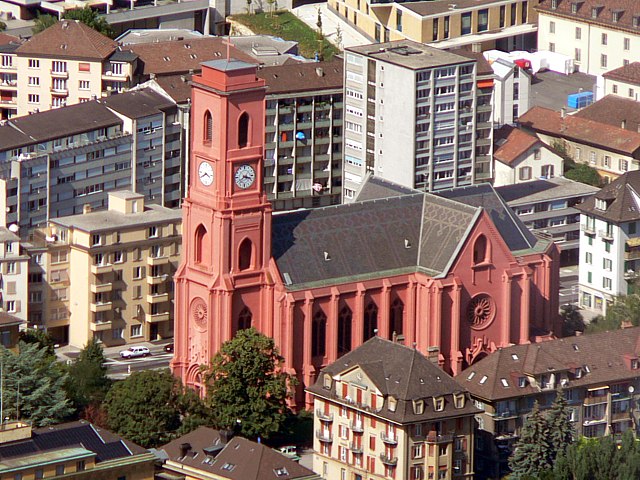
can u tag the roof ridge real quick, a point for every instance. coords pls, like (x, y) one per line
(408, 373)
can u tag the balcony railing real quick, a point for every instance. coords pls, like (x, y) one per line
(357, 427)
(59, 74)
(605, 234)
(355, 447)
(324, 436)
(389, 439)
(588, 229)
(595, 400)
(435, 438)
(325, 417)
(632, 255)
(388, 460)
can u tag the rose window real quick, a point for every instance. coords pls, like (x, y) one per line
(481, 310)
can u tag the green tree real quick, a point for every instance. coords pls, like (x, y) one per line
(628, 457)
(559, 426)
(532, 451)
(583, 173)
(246, 388)
(33, 385)
(87, 382)
(572, 320)
(40, 338)
(91, 18)
(42, 22)
(150, 407)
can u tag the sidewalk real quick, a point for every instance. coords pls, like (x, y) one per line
(330, 22)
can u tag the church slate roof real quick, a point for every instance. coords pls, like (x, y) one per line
(403, 233)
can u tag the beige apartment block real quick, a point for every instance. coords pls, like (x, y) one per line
(13, 275)
(386, 411)
(109, 274)
(600, 35)
(508, 25)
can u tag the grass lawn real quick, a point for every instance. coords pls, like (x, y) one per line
(287, 26)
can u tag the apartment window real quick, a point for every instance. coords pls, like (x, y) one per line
(117, 333)
(466, 23)
(623, 165)
(547, 171)
(615, 16)
(554, 4)
(592, 157)
(483, 20)
(604, 39)
(59, 67)
(434, 37)
(606, 283)
(552, 47)
(60, 469)
(118, 257)
(33, 63)
(11, 267)
(7, 60)
(525, 173)
(399, 20)
(503, 14)
(589, 258)
(136, 330)
(607, 264)
(35, 297)
(96, 240)
(153, 232)
(446, 27)
(607, 161)
(626, 43)
(614, 88)
(84, 85)
(138, 272)
(33, 98)
(39, 473)
(552, 27)
(516, 91)
(578, 33)
(34, 81)
(525, 11)
(578, 55)
(10, 306)
(589, 277)
(631, 93)
(603, 61)
(607, 247)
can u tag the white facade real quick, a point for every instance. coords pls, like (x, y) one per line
(608, 86)
(602, 273)
(15, 268)
(595, 48)
(510, 93)
(538, 162)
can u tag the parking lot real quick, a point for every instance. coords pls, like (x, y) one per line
(550, 89)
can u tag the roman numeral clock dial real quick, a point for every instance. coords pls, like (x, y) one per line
(245, 176)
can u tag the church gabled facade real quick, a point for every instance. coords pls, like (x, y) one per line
(456, 275)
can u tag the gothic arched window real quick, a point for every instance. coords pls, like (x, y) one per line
(396, 321)
(370, 321)
(245, 253)
(480, 250)
(243, 130)
(208, 127)
(319, 334)
(344, 330)
(199, 244)
(244, 319)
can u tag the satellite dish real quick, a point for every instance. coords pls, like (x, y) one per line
(631, 389)
(14, 228)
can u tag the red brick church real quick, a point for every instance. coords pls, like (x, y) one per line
(457, 274)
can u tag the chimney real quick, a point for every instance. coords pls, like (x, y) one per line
(433, 353)
(623, 123)
(184, 449)
(225, 436)
(563, 112)
(86, 208)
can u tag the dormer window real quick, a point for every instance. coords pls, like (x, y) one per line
(393, 404)
(615, 15)
(418, 407)
(458, 400)
(522, 382)
(634, 364)
(327, 381)
(574, 8)
(578, 372)
(554, 4)
(636, 21)
(601, 204)
(594, 12)
(438, 404)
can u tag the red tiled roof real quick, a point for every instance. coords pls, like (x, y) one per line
(69, 39)
(181, 56)
(627, 73)
(512, 142)
(627, 9)
(6, 39)
(614, 110)
(581, 130)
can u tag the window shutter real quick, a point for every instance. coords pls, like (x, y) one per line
(17, 268)
(11, 288)
(18, 306)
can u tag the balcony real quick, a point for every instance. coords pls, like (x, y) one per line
(8, 67)
(59, 74)
(157, 317)
(632, 255)
(357, 427)
(10, 85)
(355, 447)
(101, 268)
(59, 92)
(588, 229)
(158, 298)
(152, 261)
(102, 288)
(157, 280)
(631, 275)
(605, 235)
(99, 326)
(505, 414)
(115, 76)
(389, 439)
(101, 307)
(620, 416)
(435, 438)
(324, 417)
(324, 436)
(595, 400)
(388, 460)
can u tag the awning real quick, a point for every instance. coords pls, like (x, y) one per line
(597, 388)
(634, 242)
(485, 83)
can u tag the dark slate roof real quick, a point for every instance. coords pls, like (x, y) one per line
(11, 137)
(401, 372)
(138, 103)
(374, 188)
(603, 353)
(209, 452)
(511, 228)
(621, 196)
(123, 56)
(370, 237)
(106, 445)
(302, 77)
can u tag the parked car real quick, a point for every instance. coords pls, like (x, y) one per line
(134, 352)
(168, 347)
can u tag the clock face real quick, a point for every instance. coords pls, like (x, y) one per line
(205, 173)
(245, 176)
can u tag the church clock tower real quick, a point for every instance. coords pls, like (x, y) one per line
(226, 230)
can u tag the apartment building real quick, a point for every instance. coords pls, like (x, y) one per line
(548, 208)
(77, 450)
(600, 35)
(623, 82)
(303, 145)
(511, 91)
(599, 376)
(522, 157)
(384, 410)
(8, 76)
(13, 277)
(612, 149)
(485, 24)
(609, 242)
(53, 163)
(417, 116)
(112, 272)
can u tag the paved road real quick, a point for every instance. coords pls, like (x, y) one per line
(119, 368)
